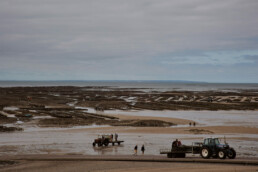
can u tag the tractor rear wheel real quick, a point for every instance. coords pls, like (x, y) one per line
(231, 153)
(205, 152)
(222, 154)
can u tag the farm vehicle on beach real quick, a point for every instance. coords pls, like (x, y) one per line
(105, 140)
(210, 147)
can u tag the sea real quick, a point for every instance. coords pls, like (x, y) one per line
(144, 85)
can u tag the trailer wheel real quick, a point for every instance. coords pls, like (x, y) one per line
(231, 153)
(106, 143)
(182, 155)
(205, 152)
(174, 155)
(113, 144)
(169, 155)
(94, 144)
(118, 143)
(222, 154)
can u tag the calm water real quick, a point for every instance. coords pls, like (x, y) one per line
(151, 85)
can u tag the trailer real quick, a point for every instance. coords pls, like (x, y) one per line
(181, 151)
(210, 147)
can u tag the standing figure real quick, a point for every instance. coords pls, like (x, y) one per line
(190, 124)
(143, 149)
(194, 124)
(135, 150)
(116, 136)
(176, 143)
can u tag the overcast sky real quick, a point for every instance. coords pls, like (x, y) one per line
(197, 40)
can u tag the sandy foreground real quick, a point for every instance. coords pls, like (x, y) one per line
(144, 163)
(65, 166)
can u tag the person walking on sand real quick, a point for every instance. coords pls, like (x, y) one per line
(143, 149)
(135, 150)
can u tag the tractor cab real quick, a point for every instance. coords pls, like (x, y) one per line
(211, 141)
(214, 142)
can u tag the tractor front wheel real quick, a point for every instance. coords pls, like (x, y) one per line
(231, 153)
(222, 154)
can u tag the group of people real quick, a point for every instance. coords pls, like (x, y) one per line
(136, 149)
(112, 136)
(176, 143)
(190, 124)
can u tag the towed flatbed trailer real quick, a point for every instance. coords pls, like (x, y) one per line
(116, 142)
(181, 151)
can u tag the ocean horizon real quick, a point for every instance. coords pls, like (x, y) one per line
(159, 85)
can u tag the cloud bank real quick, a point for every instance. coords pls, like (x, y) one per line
(201, 40)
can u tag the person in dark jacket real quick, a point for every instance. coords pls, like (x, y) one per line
(143, 149)
(135, 150)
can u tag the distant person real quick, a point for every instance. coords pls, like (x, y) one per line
(179, 143)
(174, 144)
(194, 124)
(116, 136)
(143, 149)
(190, 124)
(135, 150)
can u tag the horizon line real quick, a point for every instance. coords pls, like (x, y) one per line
(186, 81)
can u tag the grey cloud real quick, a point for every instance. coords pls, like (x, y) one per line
(61, 34)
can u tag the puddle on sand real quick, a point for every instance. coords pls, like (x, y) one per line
(11, 108)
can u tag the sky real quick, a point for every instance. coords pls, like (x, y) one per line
(195, 40)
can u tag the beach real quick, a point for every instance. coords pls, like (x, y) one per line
(65, 121)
